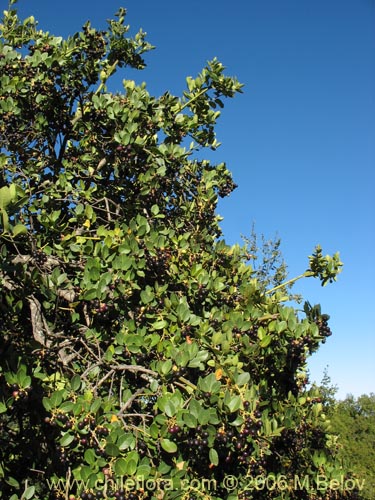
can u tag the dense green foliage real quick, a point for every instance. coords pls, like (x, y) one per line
(353, 421)
(135, 344)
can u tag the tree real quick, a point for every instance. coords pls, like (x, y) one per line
(267, 262)
(353, 424)
(139, 351)
(353, 420)
(328, 392)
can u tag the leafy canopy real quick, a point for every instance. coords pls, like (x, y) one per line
(135, 343)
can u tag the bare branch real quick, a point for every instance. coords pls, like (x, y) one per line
(24, 259)
(130, 401)
(103, 379)
(68, 295)
(39, 324)
(134, 369)
(89, 350)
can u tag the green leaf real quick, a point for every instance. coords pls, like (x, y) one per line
(5, 220)
(67, 407)
(3, 408)
(90, 294)
(47, 404)
(85, 472)
(120, 467)
(168, 445)
(24, 380)
(104, 281)
(90, 456)
(19, 229)
(265, 342)
(5, 196)
(281, 326)
(66, 439)
(234, 403)
(28, 493)
(166, 367)
(89, 211)
(75, 383)
(131, 467)
(199, 359)
(159, 325)
(190, 420)
(126, 441)
(209, 384)
(213, 456)
(154, 430)
(122, 262)
(143, 470)
(147, 296)
(319, 458)
(242, 379)
(166, 405)
(56, 399)
(12, 482)
(112, 450)
(155, 210)
(95, 405)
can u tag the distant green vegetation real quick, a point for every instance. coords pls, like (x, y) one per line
(353, 421)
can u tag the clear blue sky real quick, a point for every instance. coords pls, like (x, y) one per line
(300, 141)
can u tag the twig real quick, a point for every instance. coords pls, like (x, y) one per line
(107, 209)
(89, 350)
(129, 402)
(134, 369)
(103, 379)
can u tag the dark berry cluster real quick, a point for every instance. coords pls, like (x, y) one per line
(42, 48)
(101, 310)
(187, 331)
(237, 331)
(193, 442)
(318, 438)
(297, 352)
(39, 257)
(253, 332)
(6, 316)
(324, 329)
(216, 324)
(192, 374)
(180, 371)
(87, 433)
(314, 314)
(237, 446)
(61, 419)
(125, 152)
(63, 457)
(293, 440)
(20, 393)
(201, 293)
(90, 495)
(157, 264)
(234, 446)
(142, 358)
(222, 260)
(227, 188)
